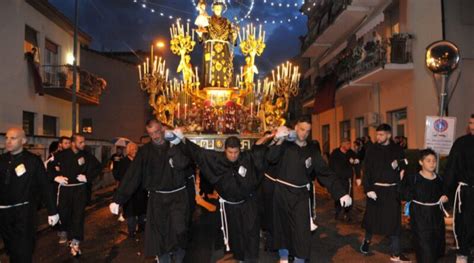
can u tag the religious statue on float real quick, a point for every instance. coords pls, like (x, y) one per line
(218, 36)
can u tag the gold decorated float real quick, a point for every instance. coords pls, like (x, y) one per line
(216, 98)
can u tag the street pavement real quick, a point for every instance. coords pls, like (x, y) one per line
(106, 238)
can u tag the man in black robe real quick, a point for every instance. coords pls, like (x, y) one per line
(459, 175)
(235, 176)
(343, 161)
(64, 143)
(134, 209)
(23, 184)
(292, 220)
(159, 168)
(74, 170)
(383, 166)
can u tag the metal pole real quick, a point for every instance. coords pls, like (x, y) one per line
(442, 98)
(74, 68)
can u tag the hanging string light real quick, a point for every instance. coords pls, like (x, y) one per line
(149, 6)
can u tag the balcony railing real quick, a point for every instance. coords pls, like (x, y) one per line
(364, 57)
(321, 17)
(58, 79)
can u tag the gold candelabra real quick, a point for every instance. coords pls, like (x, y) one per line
(252, 43)
(182, 43)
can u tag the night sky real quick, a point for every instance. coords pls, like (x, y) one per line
(125, 25)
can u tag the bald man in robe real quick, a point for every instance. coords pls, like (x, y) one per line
(23, 184)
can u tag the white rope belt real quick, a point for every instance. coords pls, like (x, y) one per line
(64, 185)
(307, 186)
(313, 226)
(171, 191)
(194, 181)
(15, 205)
(224, 224)
(439, 203)
(385, 184)
(457, 204)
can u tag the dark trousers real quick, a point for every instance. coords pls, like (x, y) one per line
(17, 228)
(72, 205)
(394, 242)
(134, 221)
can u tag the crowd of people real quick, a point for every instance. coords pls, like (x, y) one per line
(158, 195)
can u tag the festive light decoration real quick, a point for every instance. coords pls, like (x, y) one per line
(167, 15)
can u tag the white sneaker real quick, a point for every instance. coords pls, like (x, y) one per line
(461, 259)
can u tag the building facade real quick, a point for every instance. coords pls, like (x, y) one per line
(124, 108)
(36, 75)
(368, 67)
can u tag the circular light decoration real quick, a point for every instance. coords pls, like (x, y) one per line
(234, 9)
(442, 57)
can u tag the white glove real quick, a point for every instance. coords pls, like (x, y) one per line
(62, 180)
(179, 133)
(372, 195)
(356, 161)
(358, 182)
(114, 208)
(282, 132)
(346, 201)
(53, 220)
(351, 161)
(172, 137)
(82, 178)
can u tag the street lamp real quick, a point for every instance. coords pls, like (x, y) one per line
(160, 44)
(442, 58)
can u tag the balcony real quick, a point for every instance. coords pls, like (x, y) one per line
(57, 81)
(374, 61)
(331, 21)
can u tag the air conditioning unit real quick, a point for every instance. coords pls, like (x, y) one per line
(371, 119)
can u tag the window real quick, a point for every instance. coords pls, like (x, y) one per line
(51, 55)
(51, 52)
(361, 127)
(30, 45)
(29, 123)
(87, 125)
(345, 129)
(30, 39)
(398, 120)
(50, 125)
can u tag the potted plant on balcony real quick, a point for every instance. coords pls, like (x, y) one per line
(399, 48)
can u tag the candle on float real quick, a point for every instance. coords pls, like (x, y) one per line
(193, 34)
(155, 61)
(251, 109)
(185, 110)
(178, 109)
(273, 74)
(166, 76)
(144, 69)
(148, 65)
(187, 29)
(139, 72)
